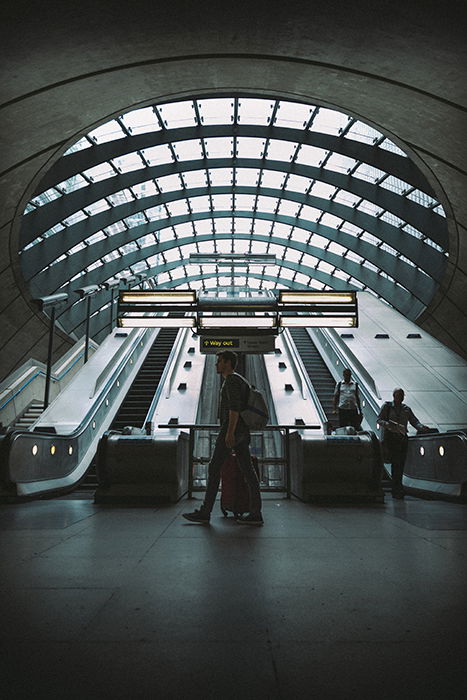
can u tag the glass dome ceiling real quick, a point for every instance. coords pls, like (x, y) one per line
(174, 190)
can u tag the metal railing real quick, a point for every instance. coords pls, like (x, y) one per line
(193, 428)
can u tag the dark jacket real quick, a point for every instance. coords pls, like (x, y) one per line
(234, 395)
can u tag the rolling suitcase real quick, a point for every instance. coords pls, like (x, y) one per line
(234, 489)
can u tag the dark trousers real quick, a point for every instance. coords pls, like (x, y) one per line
(396, 451)
(349, 416)
(220, 454)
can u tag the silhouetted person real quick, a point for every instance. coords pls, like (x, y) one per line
(393, 418)
(347, 401)
(234, 434)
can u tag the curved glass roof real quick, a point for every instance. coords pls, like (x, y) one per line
(170, 190)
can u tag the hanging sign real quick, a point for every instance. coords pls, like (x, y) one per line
(253, 345)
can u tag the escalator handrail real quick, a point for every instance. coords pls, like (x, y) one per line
(348, 359)
(122, 350)
(176, 349)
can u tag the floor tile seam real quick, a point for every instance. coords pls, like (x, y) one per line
(159, 537)
(87, 626)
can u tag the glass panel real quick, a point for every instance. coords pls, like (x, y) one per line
(347, 227)
(46, 197)
(388, 145)
(223, 225)
(100, 172)
(78, 146)
(73, 183)
(339, 163)
(281, 150)
(328, 121)
(293, 115)
(282, 230)
(310, 213)
(297, 183)
(128, 248)
(97, 207)
(219, 147)
(216, 111)
(325, 267)
(177, 208)
(200, 203)
(395, 185)
(222, 201)
(391, 219)
(120, 197)
(300, 234)
(172, 254)
(110, 131)
(177, 114)
(292, 255)
(74, 218)
(244, 202)
(141, 121)
(288, 208)
(369, 208)
(221, 176)
(194, 178)
(157, 155)
(155, 213)
(362, 132)
(128, 163)
(145, 189)
(322, 189)
(267, 204)
(247, 177)
(254, 111)
(336, 248)
(188, 150)
(319, 241)
(347, 198)
(272, 178)
(311, 155)
(421, 198)
(117, 227)
(331, 220)
(368, 173)
(76, 248)
(169, 183)
(250, 147)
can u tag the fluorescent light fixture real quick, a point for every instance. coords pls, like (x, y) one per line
(237, 322)
(232, 259)
(304, 297)
(155, 322)
(318, 321)
(163, 297)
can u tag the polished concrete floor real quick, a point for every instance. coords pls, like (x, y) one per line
(322, 602)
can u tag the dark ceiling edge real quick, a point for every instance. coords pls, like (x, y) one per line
(246, 56)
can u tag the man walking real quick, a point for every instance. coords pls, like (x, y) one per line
(234, 435)
(347, 402)
(393, 418)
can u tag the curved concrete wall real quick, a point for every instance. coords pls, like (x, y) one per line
(68, 67)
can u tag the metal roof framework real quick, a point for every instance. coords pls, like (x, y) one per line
(337, 202)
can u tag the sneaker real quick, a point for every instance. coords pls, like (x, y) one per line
(198, 516)
(250, 519)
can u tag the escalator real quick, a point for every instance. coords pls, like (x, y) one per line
(320, 376)
(135, 405)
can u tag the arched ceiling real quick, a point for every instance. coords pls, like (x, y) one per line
(337, 203)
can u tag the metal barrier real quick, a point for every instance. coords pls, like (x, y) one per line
(193, 428)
